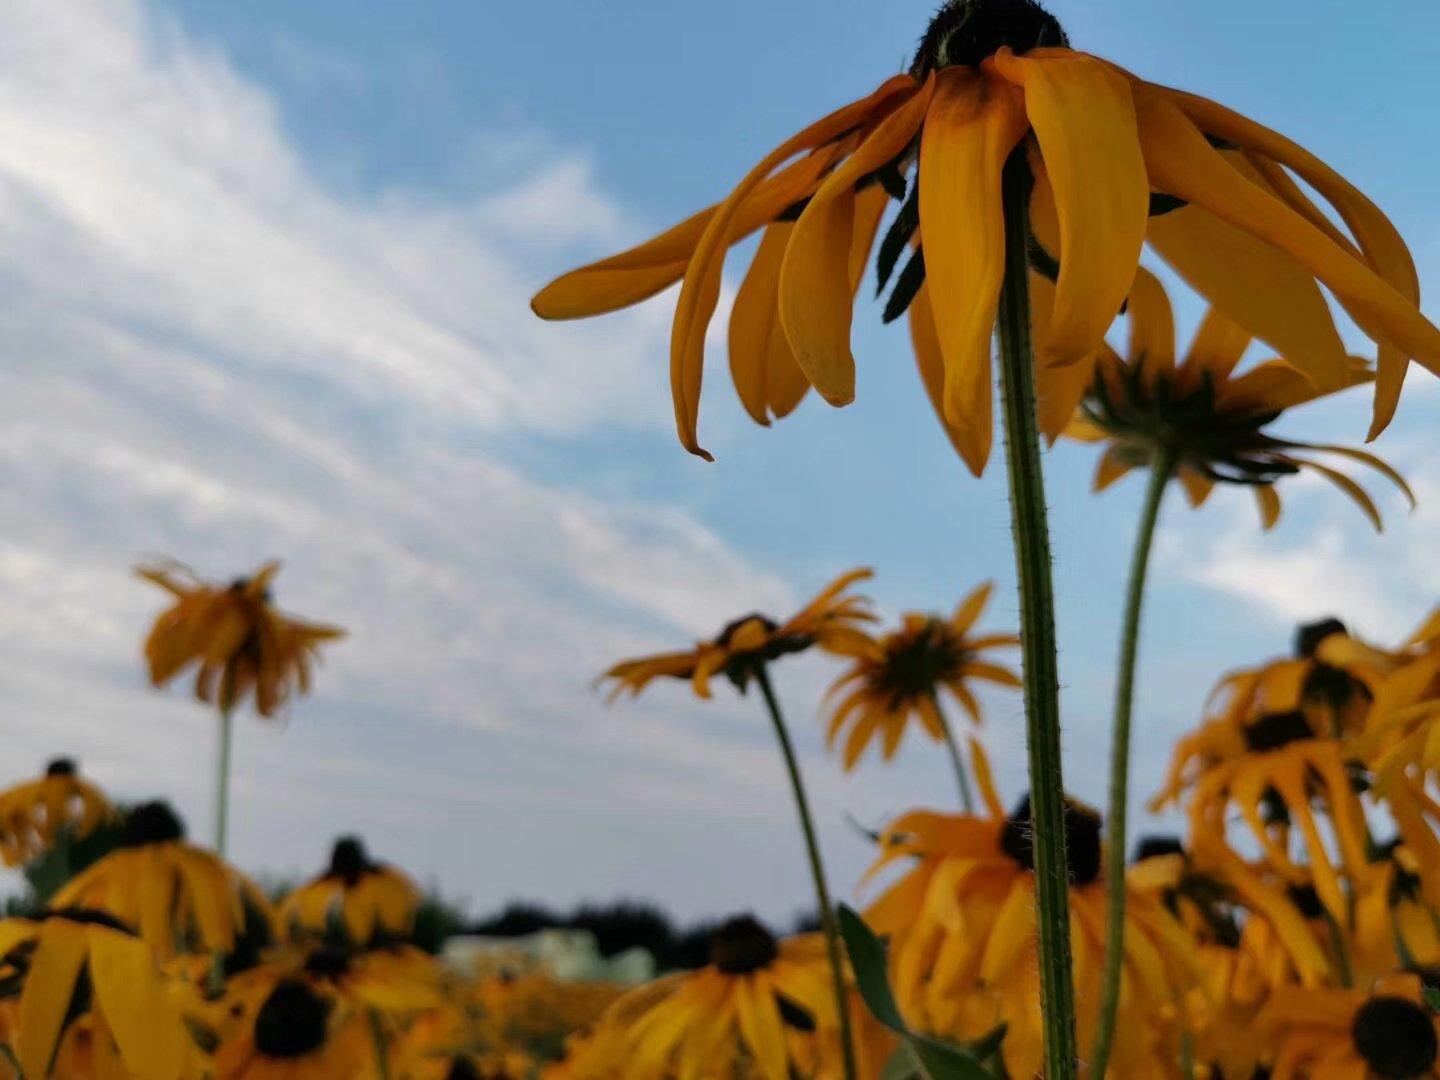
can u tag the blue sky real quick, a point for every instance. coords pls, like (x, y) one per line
(269, 266)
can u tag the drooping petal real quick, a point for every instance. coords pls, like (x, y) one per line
(974, 122)
(1083, 114)
(1182, 162)
(701, 290)
(757, 344)
(1114, 463)
(1269, 503)
(816, 290)
(1152, 326)
(49, 986)
(926, 343)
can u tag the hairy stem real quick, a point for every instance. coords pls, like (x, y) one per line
(1031, 530)
(1162, 468)
(817, 870)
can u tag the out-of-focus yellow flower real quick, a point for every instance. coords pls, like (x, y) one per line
(370, 900)
(77, 964)
(34, 813)
(831, 622)
(239, 643)
(1213, 420)
(961, 923)
(904, 673)
(1375, 1034)
(1115, 160)
(180, 898)
(295, 1033)
(754, 996)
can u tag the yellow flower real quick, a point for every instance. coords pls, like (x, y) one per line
(372, 901)
(1213, 420)
(180, 898)
(1354, 1034)
(239, 643)
(961, 923)
(831, 622)
(758, 999)
(1400, 731)
(295, 1033)
(903, 674)
(78, 964)
(33, 814)
(1115, 160)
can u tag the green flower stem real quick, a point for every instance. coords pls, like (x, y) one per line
(966, 802)
(222, 781)
(817, 869)
(1162, 468)
(1037, 629)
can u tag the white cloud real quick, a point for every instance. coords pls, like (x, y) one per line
(208, 355)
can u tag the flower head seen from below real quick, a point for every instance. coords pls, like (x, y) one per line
(366, 901)
(74, 963)
(832, 622)
(238, 642)
(1114, 160)
(961, 923)
(1386, 1033)
(1211, 419)
(33, 814)
(295, 1033)
(179, 898)
(757, 999)
(901, 678)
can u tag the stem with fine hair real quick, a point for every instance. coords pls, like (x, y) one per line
(1031, 529)
(966, 802)
(817, 869)
(1162, 468)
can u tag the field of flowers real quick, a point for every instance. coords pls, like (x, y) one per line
(1004, 188)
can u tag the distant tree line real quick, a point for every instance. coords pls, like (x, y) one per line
(616, 927)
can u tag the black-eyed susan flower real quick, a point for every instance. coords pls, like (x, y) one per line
(1400, 730)
(180, 898)
(33, 814)
(1209, 422)
(295, 1033)
(235, 638)
(371, 901)
(1115, 160)
(832, 622)
(905, 673)
(961, 922)
(91, 993)
(755, 998)
(1383, 1033)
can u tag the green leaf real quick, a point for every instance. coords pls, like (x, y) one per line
(1431, 995)
(937, 1060)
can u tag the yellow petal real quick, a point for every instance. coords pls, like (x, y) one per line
(1113, 465)
(926, 343)
(49, 986)
(1269, 503)
(701, 290)
(1083, 114)
(760, 1024)
(971, 608)
(1152, 325)
(1219, 344)
(1184, 164)
(974, 123)
(141, 1017)
(756, 341)
(816, 294)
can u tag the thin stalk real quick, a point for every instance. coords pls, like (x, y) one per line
(222, 782)
(817, 870)
(956, 760)
(1162, 468)
(1031, 530)
(382, 1054)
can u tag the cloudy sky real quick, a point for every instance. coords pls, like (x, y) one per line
(265, 271)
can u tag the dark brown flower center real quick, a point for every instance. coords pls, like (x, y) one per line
(1395, 1036)
(349, 861)
(1082, 840)
(967, 31)
(327, 962)
(61, 766)
(1274, 730)
(1153, 847)
(915, 664)
(151, 823)
(291, 1023)
(462, 1068)
(1308, 636)
(742, 945)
